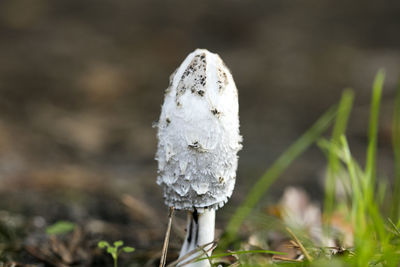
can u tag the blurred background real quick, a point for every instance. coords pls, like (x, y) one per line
(82, 81)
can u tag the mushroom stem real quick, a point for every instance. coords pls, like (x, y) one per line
(199, 231)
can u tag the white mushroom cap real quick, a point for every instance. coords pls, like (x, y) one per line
(198, 134)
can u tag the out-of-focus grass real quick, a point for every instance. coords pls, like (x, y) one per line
(376, 235)
(396, 152)
(339, 129)
(60, 227)
(273, 173)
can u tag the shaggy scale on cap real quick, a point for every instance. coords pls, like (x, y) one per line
(198, 134)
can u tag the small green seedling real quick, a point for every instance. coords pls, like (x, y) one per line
(115, 250)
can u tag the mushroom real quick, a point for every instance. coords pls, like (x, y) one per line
(198, 140)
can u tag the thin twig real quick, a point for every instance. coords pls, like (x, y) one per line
(309, 258)
(191, 253)
(166, 240)
(199, 249)
(208, 257)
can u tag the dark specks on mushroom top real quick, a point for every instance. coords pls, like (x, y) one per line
(215, 112)
(199, 82)
(202, 80)
(222, 79)
(193, 78)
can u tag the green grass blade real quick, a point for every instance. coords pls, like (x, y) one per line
(396, 152)
(355, 186)
(241, 252)
(262, 185)
(339, 129)
(370, 166)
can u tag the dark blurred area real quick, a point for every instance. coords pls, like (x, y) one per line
(82, 81)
